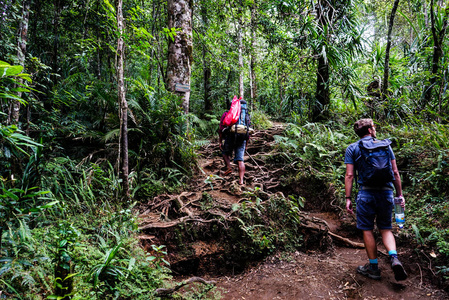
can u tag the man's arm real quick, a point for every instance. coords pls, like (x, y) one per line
(397, 181)
(220, 139)
(349, 177)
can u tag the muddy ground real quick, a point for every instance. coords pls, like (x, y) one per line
(327, 273)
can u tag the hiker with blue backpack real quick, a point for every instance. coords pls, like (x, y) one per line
(372, 164)
(234, 130)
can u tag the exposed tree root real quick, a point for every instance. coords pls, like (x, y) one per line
(165, 292)
(211, 206)
(174, 223)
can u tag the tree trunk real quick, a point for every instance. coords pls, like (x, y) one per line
(206, 66)
(21, 53)
(253, 55)
(324, 16)
(155, 52)
(180, 49)
(97, 32)
(229, 89)
(55, 54)
(240, 45)
(206, 74)
(438, 38)
(322, 91)
(122, 99)
(387, 51)
(280, 79)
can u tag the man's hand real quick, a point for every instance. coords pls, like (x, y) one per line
(403, 200)
(349, 206)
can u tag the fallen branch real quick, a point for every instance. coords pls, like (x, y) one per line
(164, 292)
(346, 241)
(321, 225)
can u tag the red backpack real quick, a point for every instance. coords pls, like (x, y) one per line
(234, 112)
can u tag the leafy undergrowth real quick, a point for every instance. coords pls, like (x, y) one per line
(75, 243)
(77, 240)
(423, 158)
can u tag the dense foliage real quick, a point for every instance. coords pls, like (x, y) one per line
(65, 226)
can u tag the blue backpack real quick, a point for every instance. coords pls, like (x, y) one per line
(244, 120)
(375, 162)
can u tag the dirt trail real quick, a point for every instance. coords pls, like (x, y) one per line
(311, 275)
(329, 275)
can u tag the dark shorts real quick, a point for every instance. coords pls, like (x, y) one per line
(372, 204)
(232, 145)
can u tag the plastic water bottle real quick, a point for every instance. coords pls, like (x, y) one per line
(399, 214)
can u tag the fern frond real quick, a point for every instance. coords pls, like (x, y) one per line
(111, 135)
(201, 143)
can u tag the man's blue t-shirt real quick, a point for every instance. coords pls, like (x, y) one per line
(353, 154)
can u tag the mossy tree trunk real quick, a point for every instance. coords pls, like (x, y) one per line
(122, 99)
(180, 47)
(14, 113)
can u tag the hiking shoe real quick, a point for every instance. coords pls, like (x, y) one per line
(368, 272)
(398, 269)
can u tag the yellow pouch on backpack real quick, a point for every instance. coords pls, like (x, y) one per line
(242, 129)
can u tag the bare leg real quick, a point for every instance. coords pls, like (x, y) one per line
(388, 239)
(241, 171)
(370, 244)
(227, 161)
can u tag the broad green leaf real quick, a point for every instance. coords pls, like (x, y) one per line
(25, 76)
(110, 6)
(48, 205)
(12, 96)
(11, 71)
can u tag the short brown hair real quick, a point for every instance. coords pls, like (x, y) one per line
(361, 127)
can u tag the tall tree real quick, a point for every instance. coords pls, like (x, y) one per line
(21, 53)
(252, 65)
(324, 12)
(122, 98)
(438, 35)
(206, 62)
(240, 45)
(180, 48)
(384, 86)
(335, 39)
(206, 82)
(58, 5)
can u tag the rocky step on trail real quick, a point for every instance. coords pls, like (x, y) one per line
(198, 227)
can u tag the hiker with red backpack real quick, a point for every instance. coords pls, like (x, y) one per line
(234, 130)
(373, 165)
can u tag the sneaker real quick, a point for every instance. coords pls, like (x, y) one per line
(368, 272)
(398, 269)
